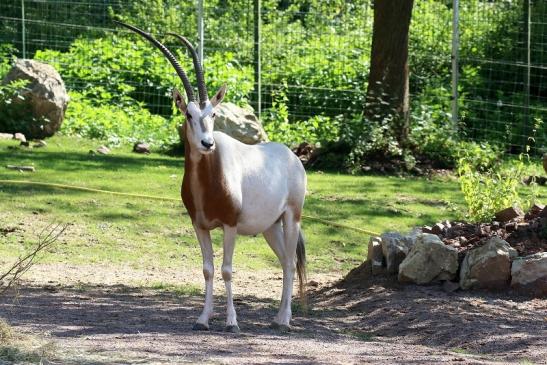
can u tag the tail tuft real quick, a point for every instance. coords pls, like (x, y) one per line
(301, 271)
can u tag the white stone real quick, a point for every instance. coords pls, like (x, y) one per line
(429, 260)
(375, 255)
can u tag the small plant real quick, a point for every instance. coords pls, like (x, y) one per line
(489, 192)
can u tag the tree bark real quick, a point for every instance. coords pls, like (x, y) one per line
(387, 98)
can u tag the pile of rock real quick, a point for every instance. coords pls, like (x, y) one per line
(489, 263)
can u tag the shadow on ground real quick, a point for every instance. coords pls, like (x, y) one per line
(119, 324)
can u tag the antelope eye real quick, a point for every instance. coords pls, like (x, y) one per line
(214, 115)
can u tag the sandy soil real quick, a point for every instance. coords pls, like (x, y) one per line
(367, 322)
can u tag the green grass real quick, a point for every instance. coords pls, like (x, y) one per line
(141, 233)
(180, 290)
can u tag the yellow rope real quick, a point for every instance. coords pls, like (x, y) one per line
(91, 190)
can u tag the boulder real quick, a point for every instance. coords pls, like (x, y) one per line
(429, 260)
(6, 136)
(393, 250)
(375, 255)
(44, 99)
(395, 247)
(488, 266)
(240, 124)
(529, 274)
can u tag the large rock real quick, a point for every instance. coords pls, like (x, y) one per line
(488, 266)
(393, 250)
(429, 260)
(45, 100)
(240, 124)
(529, 274)
(395, 247)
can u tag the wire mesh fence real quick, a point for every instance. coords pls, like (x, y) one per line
(313, 57)
(504, 83)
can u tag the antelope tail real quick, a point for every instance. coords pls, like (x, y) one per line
(301, 270)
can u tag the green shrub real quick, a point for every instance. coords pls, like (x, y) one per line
(480, 157)
(369, 141)
(7, 52)
(122, 67)
(489, 192)
(114, 124)
(317, 129)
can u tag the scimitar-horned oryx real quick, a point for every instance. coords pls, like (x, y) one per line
(240, 188)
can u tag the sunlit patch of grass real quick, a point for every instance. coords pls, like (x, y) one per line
(180, 290)
(140, 233)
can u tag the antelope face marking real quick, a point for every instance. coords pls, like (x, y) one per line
(200, 120)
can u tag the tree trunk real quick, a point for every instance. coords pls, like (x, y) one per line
(387, 96)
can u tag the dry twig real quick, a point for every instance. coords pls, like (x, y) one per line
(46, 238)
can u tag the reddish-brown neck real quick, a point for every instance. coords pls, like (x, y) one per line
(204, 187)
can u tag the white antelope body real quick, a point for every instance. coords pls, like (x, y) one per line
(240, 188)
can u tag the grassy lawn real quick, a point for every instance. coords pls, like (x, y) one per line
(143, 233)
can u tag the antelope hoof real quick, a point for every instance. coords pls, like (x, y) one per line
(200, 327)
(283, 328)
(232, 329)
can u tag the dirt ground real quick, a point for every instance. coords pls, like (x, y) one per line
(372, 322)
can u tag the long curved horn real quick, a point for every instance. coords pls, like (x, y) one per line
(168, 55)
(202, 89)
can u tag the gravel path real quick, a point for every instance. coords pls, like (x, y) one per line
(373, 323)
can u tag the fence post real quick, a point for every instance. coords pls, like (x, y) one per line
(527, 31)
(23, 30)
(455, 59)
(200, 30)
(257, 58)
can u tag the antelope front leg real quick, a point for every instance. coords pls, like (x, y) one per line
(204, 238)
(229, 243)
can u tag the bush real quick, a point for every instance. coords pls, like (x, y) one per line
(120, 67)
(121, 88)
(489, 185)
(7, 53)
(315, 130)
(115, 124)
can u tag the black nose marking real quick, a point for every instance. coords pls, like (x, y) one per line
(207, 144)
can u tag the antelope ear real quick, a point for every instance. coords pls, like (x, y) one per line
(179, 101)
(219, 96)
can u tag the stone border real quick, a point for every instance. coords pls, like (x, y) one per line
(422, 258)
